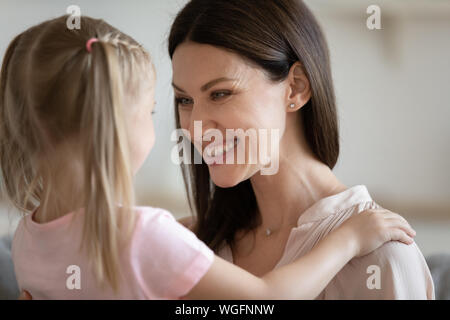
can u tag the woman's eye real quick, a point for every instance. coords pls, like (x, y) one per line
(220, 94)
(183, 101)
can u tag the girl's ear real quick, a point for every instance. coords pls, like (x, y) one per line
(299, 89)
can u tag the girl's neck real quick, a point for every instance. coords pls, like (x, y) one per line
(64, 194)
(55, 208)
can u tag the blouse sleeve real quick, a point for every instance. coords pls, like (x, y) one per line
(394, 271)
(167, 258)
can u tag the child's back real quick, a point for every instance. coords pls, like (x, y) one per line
(164, 260)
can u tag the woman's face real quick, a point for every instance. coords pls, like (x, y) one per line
(223, 91)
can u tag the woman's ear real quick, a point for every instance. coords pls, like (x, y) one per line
(299, 89)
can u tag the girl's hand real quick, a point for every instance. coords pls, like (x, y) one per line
(25, 295)
(372, 228)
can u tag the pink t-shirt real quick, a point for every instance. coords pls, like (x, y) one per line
(164, 260)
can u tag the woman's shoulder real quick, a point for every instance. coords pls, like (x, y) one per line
(401, 270)
(391, 255)
(392, 252)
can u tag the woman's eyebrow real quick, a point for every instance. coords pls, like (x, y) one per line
(206, 86)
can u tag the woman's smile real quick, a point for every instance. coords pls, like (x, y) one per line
(219, 153)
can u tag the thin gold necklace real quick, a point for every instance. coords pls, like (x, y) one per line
(270, 231)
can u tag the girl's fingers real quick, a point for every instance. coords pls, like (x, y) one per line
(400, 229)
(400, 235)
(397, 223)
(392, 215)
(397, 220)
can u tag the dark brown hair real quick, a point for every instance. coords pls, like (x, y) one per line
(272, 35)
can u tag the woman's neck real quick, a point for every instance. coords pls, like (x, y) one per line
(300, 182)
(283, 197)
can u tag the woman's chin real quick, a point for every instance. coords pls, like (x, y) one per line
(228, 176)
(225, 176)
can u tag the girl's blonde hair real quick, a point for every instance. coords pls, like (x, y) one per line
(52, 90)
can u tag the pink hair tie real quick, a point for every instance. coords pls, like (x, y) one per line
(89, 44)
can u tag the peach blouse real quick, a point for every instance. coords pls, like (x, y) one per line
(393, 271)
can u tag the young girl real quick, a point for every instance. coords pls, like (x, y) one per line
(75, 126)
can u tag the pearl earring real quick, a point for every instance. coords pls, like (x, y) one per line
(292, 105)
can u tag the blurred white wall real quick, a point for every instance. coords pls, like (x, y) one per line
(393, 92)
(392, 85)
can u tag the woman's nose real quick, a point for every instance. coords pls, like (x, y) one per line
(200, 121)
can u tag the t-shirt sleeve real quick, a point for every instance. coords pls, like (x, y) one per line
(167, 258)
(394, 271)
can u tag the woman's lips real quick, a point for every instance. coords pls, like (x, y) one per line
(214, 153)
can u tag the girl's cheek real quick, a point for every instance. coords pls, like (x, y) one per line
(150, 134)
(152, 138)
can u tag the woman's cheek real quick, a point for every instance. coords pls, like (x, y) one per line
(184, 120)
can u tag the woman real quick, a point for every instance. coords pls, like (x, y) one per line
(241, 64)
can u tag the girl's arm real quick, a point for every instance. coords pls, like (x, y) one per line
(309, 275)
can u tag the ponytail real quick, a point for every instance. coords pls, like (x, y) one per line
(108, 167)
